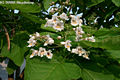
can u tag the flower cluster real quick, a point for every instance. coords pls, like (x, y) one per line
(33, 39)
(57, 22)
(81, 52)
(41, 52)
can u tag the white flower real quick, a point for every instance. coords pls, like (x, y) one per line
(79, 31)
(64, 16)
(31, 42)
(92, 39)
(74, 51)
(49, 55)
(80, 22)
(55, 19)
(78, 38)
(79, 50)
(42, 52)
(49, 23)
(86, 56)
(59, 26)
(49, 40)
(32, 37)
(34, 53)
(75, 20)
(67, 44)
(37, 35)
(52, 10)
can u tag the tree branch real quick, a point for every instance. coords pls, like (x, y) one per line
(7, 36)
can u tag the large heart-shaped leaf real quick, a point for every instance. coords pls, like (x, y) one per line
(37, 70)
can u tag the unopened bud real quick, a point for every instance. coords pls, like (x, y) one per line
(59, 37)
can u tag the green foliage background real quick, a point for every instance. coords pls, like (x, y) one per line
(104, 63)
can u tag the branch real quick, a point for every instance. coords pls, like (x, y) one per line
(7, 36)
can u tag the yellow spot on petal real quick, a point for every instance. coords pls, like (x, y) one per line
(30, 44)
(58, 26)
(68, 46)
(42, 53)
(74, 22)
(32, 54)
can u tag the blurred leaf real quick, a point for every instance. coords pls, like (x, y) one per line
(117, 17)
(32, 17)
(91, 3)
(26, 8)
(114, 53)
(115, 69)
(116, 2)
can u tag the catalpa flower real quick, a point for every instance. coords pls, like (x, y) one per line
(37, 35)
(64, 16)
(59, 26)
(55, 19)
(79, 31)
(75, 20)
(92, 39)
(49, 40)
(79, 50)
(67, 44)
(42, 52)
(52, 10)
(49, 55)
(49, 23)
(86, 56)
(32, 37)
(34, 53)
(31, 42)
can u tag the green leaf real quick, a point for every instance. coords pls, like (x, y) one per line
(26, 8)
(14, 54)
(32, 17)
(116, 2)
(91, 3)
(115, 69)
(111, 43)
(47, 3)
(37, 70)
(114, 53)
(107, 32)
(18, 48)
(94, 72)
(117, 17)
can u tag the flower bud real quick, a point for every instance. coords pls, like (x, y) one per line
(59, 37)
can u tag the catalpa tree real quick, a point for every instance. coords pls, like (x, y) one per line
(61, 39)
